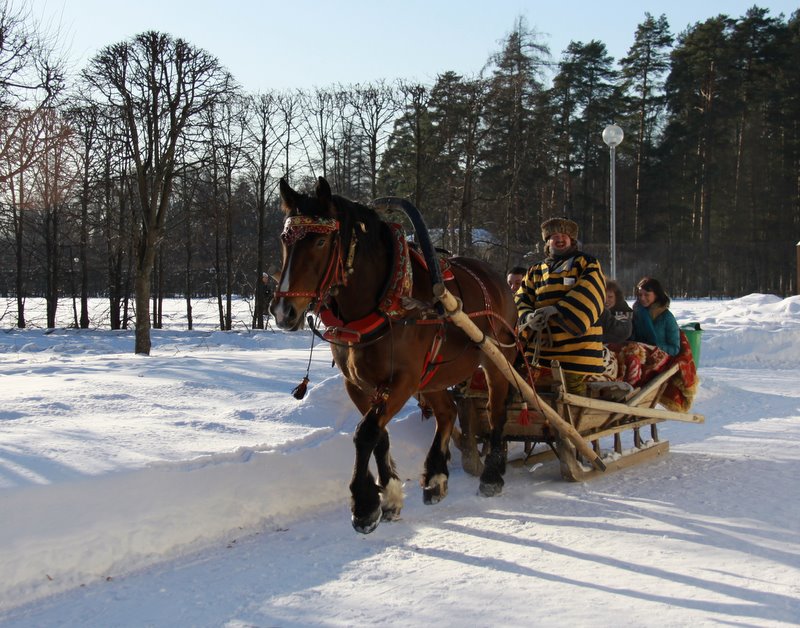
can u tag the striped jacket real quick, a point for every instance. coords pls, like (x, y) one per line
(577, 287)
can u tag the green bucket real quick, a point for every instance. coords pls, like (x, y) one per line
(693, 333)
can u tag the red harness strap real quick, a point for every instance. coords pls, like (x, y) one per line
(447, 272)
(351, 333)
(432, 359)
(390, 305)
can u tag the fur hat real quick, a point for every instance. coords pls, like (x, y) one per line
(559, 225)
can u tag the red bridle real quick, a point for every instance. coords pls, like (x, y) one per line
(296, 228)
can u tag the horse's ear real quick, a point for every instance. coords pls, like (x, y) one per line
(289, 198)
(323, 190)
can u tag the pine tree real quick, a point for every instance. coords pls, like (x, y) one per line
(644, 72)
(514, 158)
(587, 73)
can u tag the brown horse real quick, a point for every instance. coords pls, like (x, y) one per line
(341, 261)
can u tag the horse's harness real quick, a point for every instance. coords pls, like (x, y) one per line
(296, 228)
(390, 309)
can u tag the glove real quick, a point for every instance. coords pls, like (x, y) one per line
(537, 320)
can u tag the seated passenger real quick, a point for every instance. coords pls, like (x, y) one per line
(617, 317)
(515, 277)
(653, 323)
(656, 335)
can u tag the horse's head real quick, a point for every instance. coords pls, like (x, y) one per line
(310, 253)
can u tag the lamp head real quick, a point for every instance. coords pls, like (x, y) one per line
(612, 135)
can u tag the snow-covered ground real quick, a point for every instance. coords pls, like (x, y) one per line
(189, 488)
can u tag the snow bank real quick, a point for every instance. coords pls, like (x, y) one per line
(61, 536)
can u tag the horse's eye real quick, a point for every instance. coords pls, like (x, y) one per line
(320, 242)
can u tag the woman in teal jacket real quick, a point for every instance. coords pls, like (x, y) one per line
(653, 323)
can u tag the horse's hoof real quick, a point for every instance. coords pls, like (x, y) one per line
(392, 500)
(368, 523)
(490, 489)
(390, 514)
(435, 490)
(431, 496)
(434, 494)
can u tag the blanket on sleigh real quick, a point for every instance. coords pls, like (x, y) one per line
(638, 363)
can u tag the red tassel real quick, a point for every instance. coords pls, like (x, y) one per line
(523, 418)
(300, 390)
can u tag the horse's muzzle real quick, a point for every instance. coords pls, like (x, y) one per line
(287, 316)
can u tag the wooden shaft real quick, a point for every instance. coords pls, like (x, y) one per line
(453, 310)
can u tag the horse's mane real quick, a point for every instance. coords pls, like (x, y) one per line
(350, 214)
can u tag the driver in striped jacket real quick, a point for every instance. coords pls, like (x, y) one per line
(560, 302)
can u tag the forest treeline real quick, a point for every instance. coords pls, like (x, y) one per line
(152, 173)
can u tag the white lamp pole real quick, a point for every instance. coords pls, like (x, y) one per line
(612, 136)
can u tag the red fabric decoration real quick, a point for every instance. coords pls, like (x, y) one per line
(639, 363)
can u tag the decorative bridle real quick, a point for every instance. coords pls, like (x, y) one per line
(337, 269)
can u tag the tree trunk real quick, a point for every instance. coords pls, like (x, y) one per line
(51, 265)
(144, 271)
(82, 251)
(142, 290)
(18, 252)
(189, 256)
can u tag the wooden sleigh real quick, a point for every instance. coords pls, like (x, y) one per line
(621, 433)
(571, 426)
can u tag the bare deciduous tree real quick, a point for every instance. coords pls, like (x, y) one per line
(31, 77)
(159, 85)
(319, 119)
(375, 107)
(226, 128)
(264, 152)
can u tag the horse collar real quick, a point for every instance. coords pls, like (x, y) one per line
(389, 306)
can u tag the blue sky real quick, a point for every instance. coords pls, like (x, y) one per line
(307, 43)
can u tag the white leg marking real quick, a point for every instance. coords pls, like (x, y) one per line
(440, 479)
(393, 496)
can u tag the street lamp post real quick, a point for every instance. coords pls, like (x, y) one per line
(612, 136)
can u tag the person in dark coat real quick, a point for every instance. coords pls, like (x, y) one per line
(515, 277)
(267, 291)
(617, 317)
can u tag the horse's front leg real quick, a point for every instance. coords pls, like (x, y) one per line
(369, 501)
(392, 496)
(365, 498)
(491, 481)
(435, 476)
